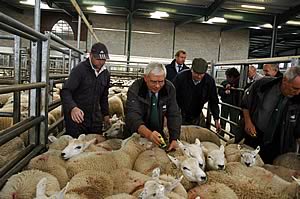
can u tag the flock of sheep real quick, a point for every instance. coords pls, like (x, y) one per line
(93, 166)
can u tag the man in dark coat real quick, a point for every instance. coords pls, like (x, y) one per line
(193, 89)
(151, 100)
(176, 65)
(271, 109)
(85, 94)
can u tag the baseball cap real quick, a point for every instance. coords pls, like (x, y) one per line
(199, 65)
(99, 51)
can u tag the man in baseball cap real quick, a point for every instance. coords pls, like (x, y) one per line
(99, 51)
(193, 89)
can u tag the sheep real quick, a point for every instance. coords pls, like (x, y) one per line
(289, 160)
(247, 156)
(283, 172)
(107, 162)
(116, 130)
(215, 157)
(111, 144)
(212, 190)
(190, 132)
(59, 143)
(56, 113)
(116, 106)
(90, 184)
(193, 150)
(121, 196)
(51, 163)
(10, 149)
(77, 146)
(4, 98)
(41, 188)
(23, 185)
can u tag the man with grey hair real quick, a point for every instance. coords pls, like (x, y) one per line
(151, 100)
(271, 109)
(253, 75)
(272, 70)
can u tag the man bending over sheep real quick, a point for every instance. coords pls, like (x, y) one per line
(271, 109)
(149, 101)
(85, 94)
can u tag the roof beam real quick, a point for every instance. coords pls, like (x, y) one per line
(289, 14)
(237, 27)
(11, 7)
(108, 3)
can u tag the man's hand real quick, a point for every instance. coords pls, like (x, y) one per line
(173, 145)
(250, 128)
(107, 122)
(154, 137)
(218, 125)
(77, 115)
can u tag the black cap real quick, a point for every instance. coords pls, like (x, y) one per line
(199, 65)
(99, 51)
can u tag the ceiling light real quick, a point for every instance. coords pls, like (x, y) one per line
(32, 3)
(267, 25)
(255, 27)
(253, 7)
(216, 20)
(98, 9)
(291, 22)
(158, 14)
(235, 17)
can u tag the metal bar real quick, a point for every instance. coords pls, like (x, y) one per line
(64, 63)
(78, 32)
(70, 61)
(129, 32)
(274, 37)
(59, 49)
(55, 124)
(19, 128)
(173, 40)
(21, 87)
(6, 114)
(7, 81)
(229, 121)
(59, 81)
(231, 106)
(62, 42)
(37, 15)
(258, 61)
(21, 164)
(54, 104)
(12, 30)
(58, 76)
(20, 26)
(8, 37)
(17, 59)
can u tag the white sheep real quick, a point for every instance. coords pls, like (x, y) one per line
(289, 160)
(248, 157)
(116, 130)
(56, 113)
(107, 162)
(10, 149)
(215, 157)
(283, 172)
(121, 196)
(41, 188)
(23, 185)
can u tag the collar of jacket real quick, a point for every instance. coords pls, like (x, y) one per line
(173, 64)
(270, 83)
(144, 91)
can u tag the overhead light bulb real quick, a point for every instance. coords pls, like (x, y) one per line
(98, 9)
(253, 7)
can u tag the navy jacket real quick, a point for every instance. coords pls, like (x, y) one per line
(171, 70)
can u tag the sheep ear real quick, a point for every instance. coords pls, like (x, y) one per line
(172, 186)
(41, 187)
(222, 149)
(204, 149)
(230, 141)
(87, 144)
(297, 180)
(257, 149)
(239, 147)
(175, 161)
(242, 141)
(62, 193)
(197, 142)
(81, 137)
(180, 144)
(52, 138)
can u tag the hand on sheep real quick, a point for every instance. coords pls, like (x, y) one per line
(218, 125)
(172, 146)
(107, 122)
(250, 129)
(155, 137)
(77, 115)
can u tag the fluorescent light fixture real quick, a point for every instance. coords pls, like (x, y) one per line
(120, 30)
(255, 27)
(292, 22)
(267, 25)
(158, 15)
(216, 20)
(32, 3)
(295, 33)
(253, 7)
(234, 17)
(98, 9)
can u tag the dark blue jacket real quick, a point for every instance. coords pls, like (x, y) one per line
(171, 70)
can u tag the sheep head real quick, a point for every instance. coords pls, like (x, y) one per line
(216, 159)
(248, 157)
(76, 146)
(41, 191)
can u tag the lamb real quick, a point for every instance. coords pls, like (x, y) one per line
(215, 157)
(111, 144)
(190, 132)
(23, 185)
(10, 149)
(212, 190)
(4, 98)
(107, 162)
(289, 160)
(247, 156)
(90, 184)
(116, 106)
(116, 130)
(56, 113)
(41, 188)
(51, 163)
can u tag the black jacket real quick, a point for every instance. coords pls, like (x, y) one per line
(288, 126)
(232, 98)
(138, 108)
(171, 70)
(87, 92)
(191, 98)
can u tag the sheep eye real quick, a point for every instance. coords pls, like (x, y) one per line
(154, 194)
(185, 168)
(209, 157)
(254, 156)
(78, 147)
(200, 165)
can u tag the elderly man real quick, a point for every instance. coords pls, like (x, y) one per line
(271, 109)
(253, 75)
(193, 89)
(272, 70)
(85, 94)
(176, 65)
(149, 101)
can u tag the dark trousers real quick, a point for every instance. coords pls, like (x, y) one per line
(233, 114)
(199, 121)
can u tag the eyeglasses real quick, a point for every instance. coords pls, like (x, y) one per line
(157, 82)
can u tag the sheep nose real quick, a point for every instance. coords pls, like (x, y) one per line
(247, 164)
(203, 178)
(62, 154)
(221, 166)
